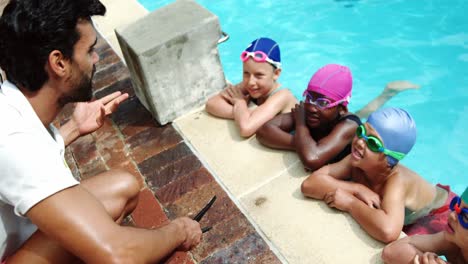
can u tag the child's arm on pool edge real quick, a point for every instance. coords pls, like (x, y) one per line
(329, 178)
(276, 133)
(384, 223)
(250, 121)
(219, 105)
(405, 249)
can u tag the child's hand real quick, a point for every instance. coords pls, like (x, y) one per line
(428, 258)
(368, 197)
(236, 94)
(225, 94)
(298, 114)
(339, 199)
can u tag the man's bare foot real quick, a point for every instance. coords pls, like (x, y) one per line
(398, 86)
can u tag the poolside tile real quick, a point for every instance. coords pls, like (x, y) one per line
(179, 257)
(168, 165)
(92, 168)
(152, 141)
(156, 178)
(132, 117)
(265, 257)
(72, 164)
(112, 151)
(107, 57)
(109, 75)
(192, 202)
(84, 150)
(169, 193)
(106, 131)
(168, 157)
(124, 86)
(223, 235)
(148, 213)
(245, 250)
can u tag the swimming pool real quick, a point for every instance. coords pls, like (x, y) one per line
(425, 42)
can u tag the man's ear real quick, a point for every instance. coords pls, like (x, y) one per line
(57, 63)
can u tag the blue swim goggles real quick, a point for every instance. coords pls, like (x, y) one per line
(461, 212)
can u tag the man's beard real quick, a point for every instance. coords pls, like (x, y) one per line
(83, 91)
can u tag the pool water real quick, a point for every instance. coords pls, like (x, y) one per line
(425, 42)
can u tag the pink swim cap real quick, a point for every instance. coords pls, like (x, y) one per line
(334, 81)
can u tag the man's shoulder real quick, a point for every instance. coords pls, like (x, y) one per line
(9, 114)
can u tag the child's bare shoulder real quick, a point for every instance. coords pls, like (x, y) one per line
(285, 98)
(284, 93)
(409, 176)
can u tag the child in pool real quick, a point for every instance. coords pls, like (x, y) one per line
(324, 128)
(261, 70)
(371, 185)
(452, 243)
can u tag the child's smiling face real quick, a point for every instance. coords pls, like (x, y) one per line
(259, 78)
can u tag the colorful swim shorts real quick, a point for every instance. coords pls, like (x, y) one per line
(435, 221)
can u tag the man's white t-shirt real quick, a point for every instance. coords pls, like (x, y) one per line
(32, 166)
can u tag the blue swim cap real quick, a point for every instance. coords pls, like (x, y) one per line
(266, 45)
(396, 128)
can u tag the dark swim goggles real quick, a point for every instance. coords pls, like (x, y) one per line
(461, 212)
(376, 145)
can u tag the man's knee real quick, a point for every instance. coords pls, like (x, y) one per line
(117, 190)
(127, 182)
(114, 184)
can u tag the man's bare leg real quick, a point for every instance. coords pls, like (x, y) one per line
(118, 192)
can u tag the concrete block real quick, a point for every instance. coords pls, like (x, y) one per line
(172, 55)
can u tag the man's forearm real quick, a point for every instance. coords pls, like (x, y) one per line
(151, 246)
(69, 132)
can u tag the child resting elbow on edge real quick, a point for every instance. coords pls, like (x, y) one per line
(380, 194)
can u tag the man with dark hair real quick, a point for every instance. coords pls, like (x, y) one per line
(46, 216)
